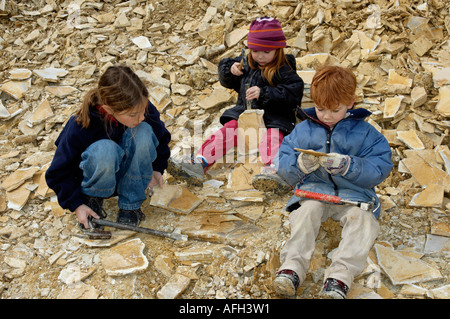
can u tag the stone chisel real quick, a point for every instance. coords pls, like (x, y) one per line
(155, 232)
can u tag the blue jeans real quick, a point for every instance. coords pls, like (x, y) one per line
(124, 169)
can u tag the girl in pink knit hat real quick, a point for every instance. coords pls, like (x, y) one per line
(266, 79)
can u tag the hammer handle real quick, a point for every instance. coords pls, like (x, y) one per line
(318, 196)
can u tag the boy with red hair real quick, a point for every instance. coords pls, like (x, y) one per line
(358, 158)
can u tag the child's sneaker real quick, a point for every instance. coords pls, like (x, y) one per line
(191, 171)
(286, 283)
(334, 289)
(268, 181)
(131, 217)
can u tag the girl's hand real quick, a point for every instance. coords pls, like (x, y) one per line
(157, 180)
(253, 93)
(83, 212)
(235, 69)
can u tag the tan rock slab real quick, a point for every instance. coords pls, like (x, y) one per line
(439, 293)
(241, 177)
(218, 97)
(176, 285)
(195, 255)
(79, 291)
(442, 77)
(250, 213)
(116, 237)
(431, 196)
(443, 105)
(403, 269)
(421, 45)
(125, 258)
(411, 139)
(4, 113)
(20, 74)
(217, 228)
(16, 89)
(392, 105)
(175, 198)
(41, 113)
(18, 178)
(164, 265)
(232, 38)
(51, 74)
(61, 91)
(396, 79)
(418, 96)
(424, 173)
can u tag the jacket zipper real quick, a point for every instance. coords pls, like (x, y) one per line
(328, 148)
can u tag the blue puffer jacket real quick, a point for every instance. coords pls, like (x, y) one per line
(369, 151)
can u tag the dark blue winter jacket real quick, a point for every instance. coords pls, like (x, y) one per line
(64, 175)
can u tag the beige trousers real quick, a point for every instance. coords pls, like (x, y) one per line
(359, 231)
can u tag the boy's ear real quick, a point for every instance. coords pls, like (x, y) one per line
(350, 106)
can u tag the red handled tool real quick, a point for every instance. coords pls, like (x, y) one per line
(332, 199)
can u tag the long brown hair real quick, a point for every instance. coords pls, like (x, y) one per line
(119, 88)
(269, 70)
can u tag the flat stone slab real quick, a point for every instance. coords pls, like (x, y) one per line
(125, 258)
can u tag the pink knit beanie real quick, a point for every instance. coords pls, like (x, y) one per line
(265, 34)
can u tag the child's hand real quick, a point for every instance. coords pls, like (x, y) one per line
(83, 212)
(252, 93)
(236, 69)
(335, 163)
(307, 163)
(157, 180)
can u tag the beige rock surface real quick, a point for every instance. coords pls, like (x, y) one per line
(396, 48)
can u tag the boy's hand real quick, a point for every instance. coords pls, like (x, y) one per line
(307, 163)
(335, 163)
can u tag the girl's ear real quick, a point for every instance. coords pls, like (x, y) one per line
(107, 109)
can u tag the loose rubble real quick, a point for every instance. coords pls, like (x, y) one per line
(52, 52)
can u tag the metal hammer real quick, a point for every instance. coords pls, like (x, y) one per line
(333, 199)
(93, 233)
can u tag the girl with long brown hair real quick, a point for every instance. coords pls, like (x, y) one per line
(266, 80)
(115, 144)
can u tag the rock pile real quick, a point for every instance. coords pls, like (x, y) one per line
(52, 52)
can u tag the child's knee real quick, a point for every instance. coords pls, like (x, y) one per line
(102, 154)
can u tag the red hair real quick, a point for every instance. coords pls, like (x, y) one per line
(332, 86)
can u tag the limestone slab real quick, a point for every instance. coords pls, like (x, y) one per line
(125, 258)
(20, 74)
(41, 113)
(18, 177)
(175, 198)
(60, 91)
(16, 89)
(443, 105)
(411, 139)
(216, 98)
(431, 196)
(392, 105)
(403, 269)
(51, 74)
(174, 287)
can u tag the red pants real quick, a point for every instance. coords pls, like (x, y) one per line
(217, 145)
